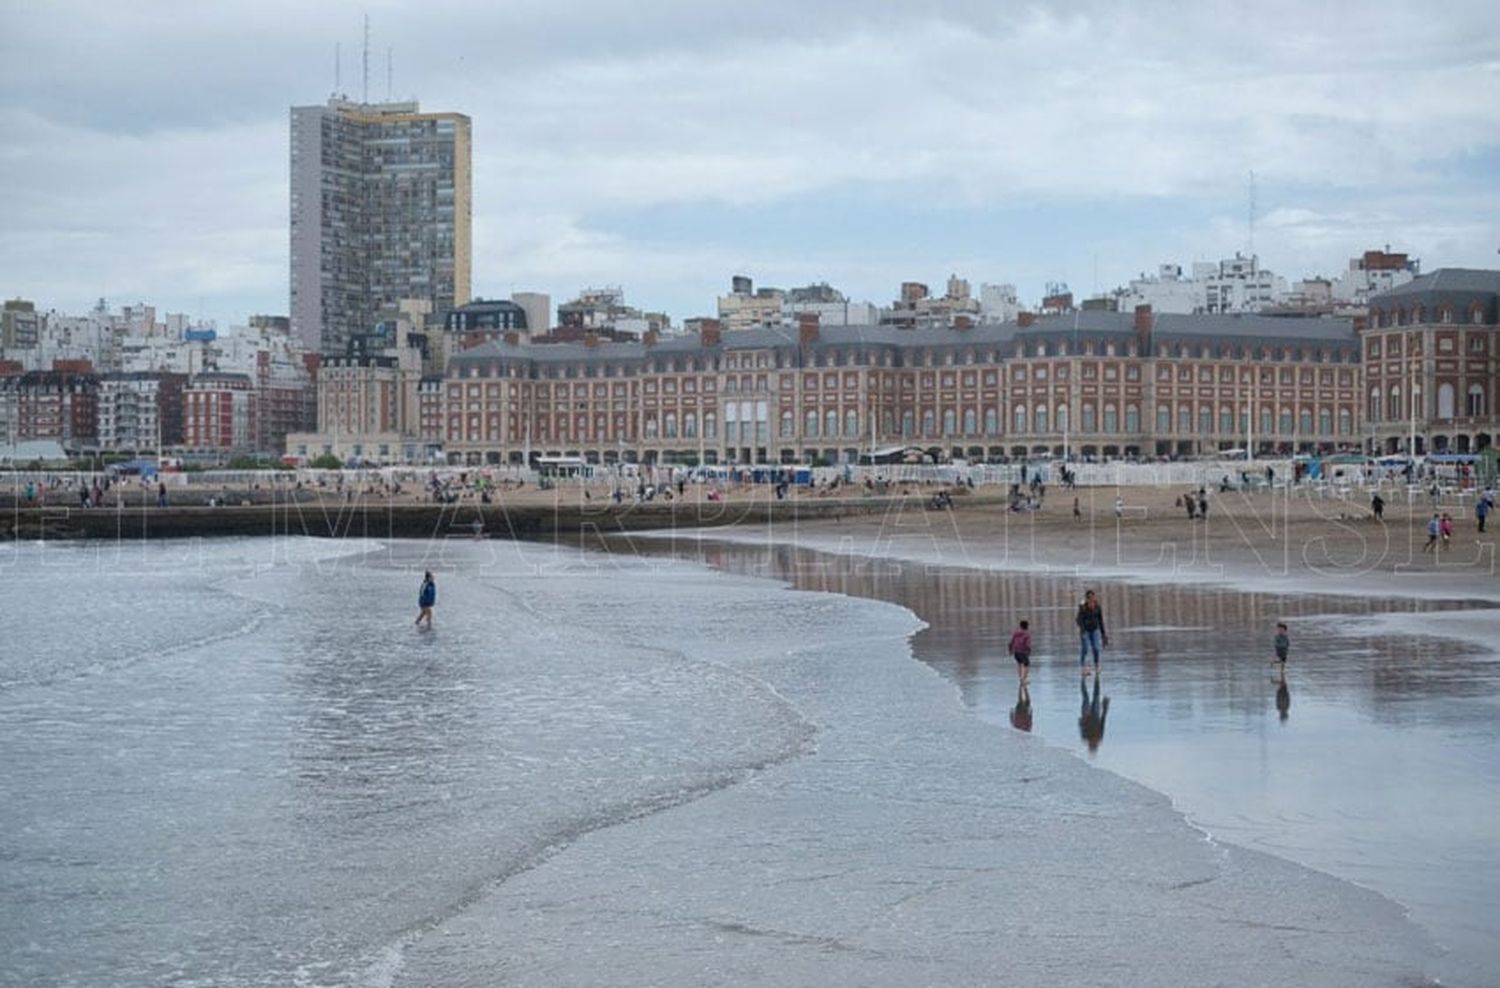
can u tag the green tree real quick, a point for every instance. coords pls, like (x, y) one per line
(327, 462)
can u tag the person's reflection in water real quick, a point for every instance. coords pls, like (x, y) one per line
(1283, 699)
(1092, 714)
(1020, 714)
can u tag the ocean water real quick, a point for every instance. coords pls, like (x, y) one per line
(238, 763)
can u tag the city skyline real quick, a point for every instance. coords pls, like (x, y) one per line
(668, 149)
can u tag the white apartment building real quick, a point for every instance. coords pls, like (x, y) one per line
(1235, 284)
(998, 303)
(1374, 272)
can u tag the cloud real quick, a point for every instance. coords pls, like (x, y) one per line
(146, 146)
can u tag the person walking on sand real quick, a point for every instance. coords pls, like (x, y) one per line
(1445, 528)
(1092, 636)
(1283, 646)
(1020, 650)
(1377, 508)
(1119, 506)
(426, 599)
(1434, 530)
(1481, 510)
(1078, 512)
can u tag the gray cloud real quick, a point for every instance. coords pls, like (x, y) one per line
(146, 151)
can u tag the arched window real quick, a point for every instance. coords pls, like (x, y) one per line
(1226, 420)
(851, 424)
(1111, 418)
(1474, 402)
(950, 422)
(991, 422)
(810, 424)
(908, 423)
(690, 425)
(971, 424)
(1476, 314)
(1040, 418)
(1325, 421)
(1090, 417)
(1206, 419)
(929, 423)
(1305, 422)
(1346, 422)
(788, 424)
(1163, 418)
(1132, 418)
(1062, 418)
(1287, 423)
(710, 425)
(1394, 409)
(1020, 417)
(669, 425)
(1267, 420)
(1184, 419)
(1373, 413)
(830, 423)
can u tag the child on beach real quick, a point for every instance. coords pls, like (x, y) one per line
(1283, 646)
(1445, 526)
(1020, 650)
(426, 598)
(1434, 530)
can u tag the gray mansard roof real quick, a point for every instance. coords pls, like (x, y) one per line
(1242, 330)
(1461, 288)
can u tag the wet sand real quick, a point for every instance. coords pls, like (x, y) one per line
(1379, 762)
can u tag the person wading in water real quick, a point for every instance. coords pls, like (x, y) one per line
(1092, 637)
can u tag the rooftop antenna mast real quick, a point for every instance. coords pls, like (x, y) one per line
(389, 75)
(1252, 212)
(365, 63)
(338, 67)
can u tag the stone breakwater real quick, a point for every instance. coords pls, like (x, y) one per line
(377, 519)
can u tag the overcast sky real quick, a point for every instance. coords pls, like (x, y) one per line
(664, 145)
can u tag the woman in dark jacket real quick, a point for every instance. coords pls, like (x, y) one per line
(426, 598)
(1091, 634)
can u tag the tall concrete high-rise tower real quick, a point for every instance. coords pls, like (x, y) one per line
(380, 211)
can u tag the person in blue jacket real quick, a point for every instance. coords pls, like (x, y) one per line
(426, 598)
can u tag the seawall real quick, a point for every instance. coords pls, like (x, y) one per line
(378, 519)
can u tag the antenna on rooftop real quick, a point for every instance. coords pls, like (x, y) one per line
(365, 63)
(389, 75)
(338, 66)
(1252, 212)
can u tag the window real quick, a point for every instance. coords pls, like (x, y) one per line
(908, 424)
(1184, 419)
(851, 424)
(1041, 418)
(1266, 420)
(1226, 420)
(950, 422)
(1474, 401)
(788, 424)
(1325, 421)
(669, 425)
(1476, 344)
(810, 424)
(991, 422)
(1287, 422)
(1062, 418)
(1163, 418)
(1447, 401)
(1206, 420)
(1305, 422)
(1394, 409)
(1089, 422)
(929, 423)
(1111, 419)
(1020, 417)
(1374, 411)
(710, 426)
(1132, 418)
(1346, 422)
(971, 424)
(830, 423)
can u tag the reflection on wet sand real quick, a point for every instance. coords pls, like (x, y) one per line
(1020, 714)
(1092, 714)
